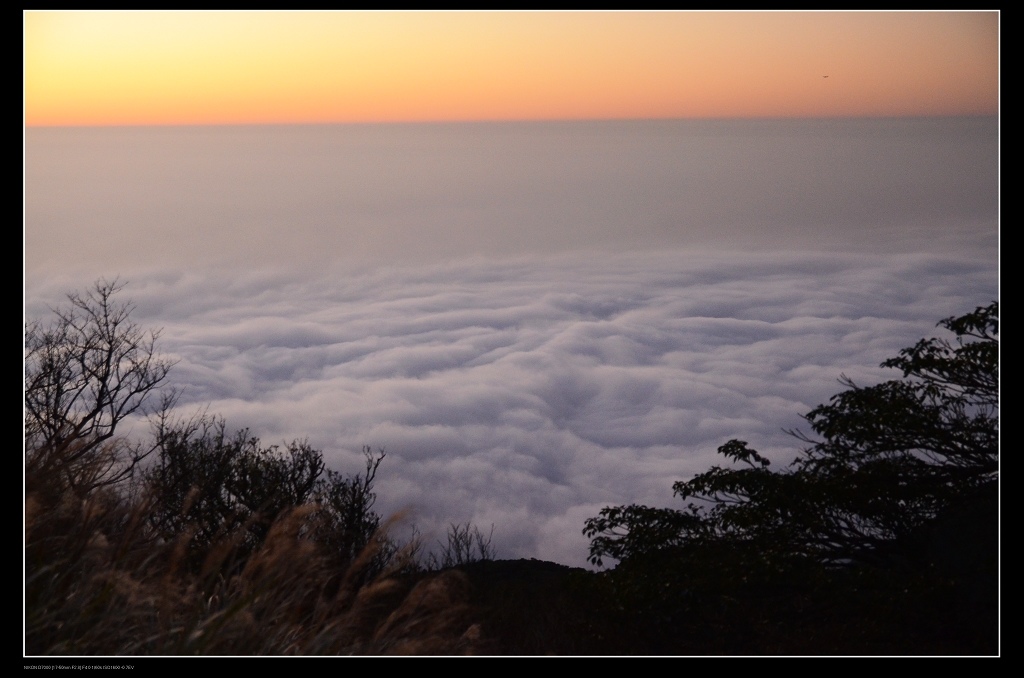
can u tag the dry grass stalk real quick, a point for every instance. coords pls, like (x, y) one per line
(97, 582)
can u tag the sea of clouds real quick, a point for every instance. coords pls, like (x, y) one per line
(522, 379)
(530, 394)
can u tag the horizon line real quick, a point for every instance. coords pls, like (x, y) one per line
(451, 121)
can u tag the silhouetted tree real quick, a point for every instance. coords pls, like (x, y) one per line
(87, 371)
(883, 462)
(881, 538)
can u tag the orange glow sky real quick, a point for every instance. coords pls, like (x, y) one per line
(143, 68)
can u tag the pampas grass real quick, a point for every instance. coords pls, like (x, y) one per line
(99, 582)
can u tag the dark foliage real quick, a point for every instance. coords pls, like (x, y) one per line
(885, 460)
(856, 534)
(208, 484)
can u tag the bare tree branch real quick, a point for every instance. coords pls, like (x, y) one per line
(85, 373)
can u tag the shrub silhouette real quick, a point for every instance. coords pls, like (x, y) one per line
(211, 484)
(887, 460)
(862, 523)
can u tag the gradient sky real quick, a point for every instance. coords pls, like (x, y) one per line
(145, 68)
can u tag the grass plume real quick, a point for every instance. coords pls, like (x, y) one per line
(99, 582)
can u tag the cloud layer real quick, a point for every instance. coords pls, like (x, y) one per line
(533, 320)
(531, 393)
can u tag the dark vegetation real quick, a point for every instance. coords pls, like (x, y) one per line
(197, 541)
(881, 538)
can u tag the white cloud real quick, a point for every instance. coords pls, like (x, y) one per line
(529, 394)
(534, 339)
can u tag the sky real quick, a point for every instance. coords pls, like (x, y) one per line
(218, 67)
(599, 245)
